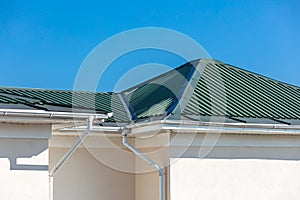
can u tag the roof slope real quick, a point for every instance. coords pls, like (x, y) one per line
(241, 94)
(158, 96)
(57, 100)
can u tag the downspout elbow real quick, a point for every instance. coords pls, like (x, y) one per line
(148, 160)
(138, 153)
(161, 171)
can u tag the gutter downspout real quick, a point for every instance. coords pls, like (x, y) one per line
(148, 160)
(67, 155)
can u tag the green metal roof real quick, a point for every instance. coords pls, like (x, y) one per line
(241, 94)
(209, 87)
(157, 96)
(56, 100)
(196, 90)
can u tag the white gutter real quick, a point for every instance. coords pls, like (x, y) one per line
(196, 127)
(204, 127)
(62, 161)
(103, 129)
(185, 123)
(49, 114)
(148, 160)
(157, 127)
(223, 124)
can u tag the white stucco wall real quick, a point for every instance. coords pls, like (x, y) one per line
(227, 179)
(83, 177)
(24, 161)
(87, 174)
(238, 167)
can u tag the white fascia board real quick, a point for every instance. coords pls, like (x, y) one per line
(199, 140)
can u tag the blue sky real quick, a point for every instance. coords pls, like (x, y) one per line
(42, 44)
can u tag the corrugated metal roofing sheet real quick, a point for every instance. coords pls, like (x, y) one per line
(246, 95)
(65, 100)
(156, 96)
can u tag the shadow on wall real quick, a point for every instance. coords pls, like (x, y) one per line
(25, 154)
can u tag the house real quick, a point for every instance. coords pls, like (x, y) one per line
(205, 130)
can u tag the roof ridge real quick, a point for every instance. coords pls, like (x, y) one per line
(192, 81)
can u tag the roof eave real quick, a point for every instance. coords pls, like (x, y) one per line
(41, 116)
